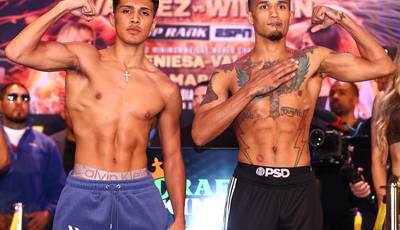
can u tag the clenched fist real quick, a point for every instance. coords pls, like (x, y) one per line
(82, 8)
(323, 17)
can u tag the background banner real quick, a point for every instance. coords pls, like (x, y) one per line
(208, 175)
(193, 37)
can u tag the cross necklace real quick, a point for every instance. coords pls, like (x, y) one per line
(127, 75)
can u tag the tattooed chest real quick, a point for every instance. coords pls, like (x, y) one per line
(282, 111)
(274, 97)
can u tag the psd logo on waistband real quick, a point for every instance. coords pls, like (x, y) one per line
(277, 173)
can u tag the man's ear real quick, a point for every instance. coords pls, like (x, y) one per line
(153, 25)
(356, 101)
(250, 18)
(112, 19)
(291, 17)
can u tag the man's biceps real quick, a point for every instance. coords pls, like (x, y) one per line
(336, 60)
(60, 55)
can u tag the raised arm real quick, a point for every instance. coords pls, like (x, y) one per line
(379, 173)
(218, 111)
(4, 154)
(27, 49)
(169, 130)
(373, 63)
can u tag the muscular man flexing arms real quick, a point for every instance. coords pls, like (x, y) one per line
(274, 91)
(114, 97)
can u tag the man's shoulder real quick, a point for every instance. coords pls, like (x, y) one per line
(161, 79)
(159, 83)
(83, 46)
(43, 138)
(169, 88)
(312, 57)
(240, 64)
(82, 49)
(40, 135)
(87, 55)
(315, 51)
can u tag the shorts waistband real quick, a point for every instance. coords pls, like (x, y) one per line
(141, 183)
(274, 175)
(89, 173)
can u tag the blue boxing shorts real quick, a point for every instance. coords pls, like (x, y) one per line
(110, 204)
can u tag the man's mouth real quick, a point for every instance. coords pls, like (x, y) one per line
(335, 105)
(18, 110)
(133, 30)
(275, 24)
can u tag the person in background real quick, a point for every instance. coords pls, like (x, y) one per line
(227, 139)
(114, 97)
(340, 197)
(385, 141)
(34, 174)
(270, 93)
(199, 93)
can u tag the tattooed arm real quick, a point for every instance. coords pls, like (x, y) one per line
(218, 111)
(373, 63)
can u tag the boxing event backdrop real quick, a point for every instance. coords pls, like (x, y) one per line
(208, 176)
(193, 37)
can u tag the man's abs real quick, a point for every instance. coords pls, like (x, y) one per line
(112, 131)
(282, 142)
(112, 149)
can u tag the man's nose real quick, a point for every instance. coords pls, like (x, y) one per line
(273, 11)
(335, 95)
(135, 19)
(19, 100)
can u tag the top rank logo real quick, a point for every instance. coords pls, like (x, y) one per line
(182, 32)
